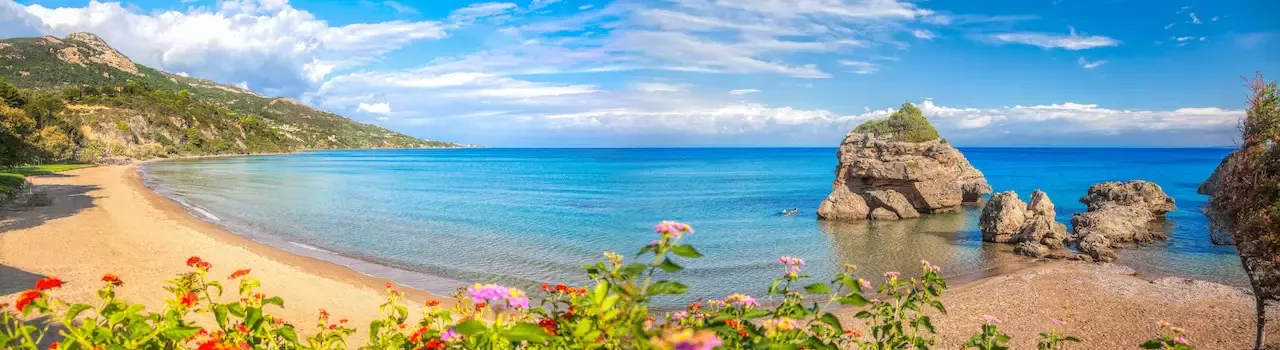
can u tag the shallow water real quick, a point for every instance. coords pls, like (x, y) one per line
(526, 216)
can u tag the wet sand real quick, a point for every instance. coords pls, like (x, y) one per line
(103, 220)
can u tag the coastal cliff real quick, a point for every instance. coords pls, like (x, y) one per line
(898, 169)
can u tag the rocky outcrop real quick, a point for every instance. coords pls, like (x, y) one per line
(1006, 219)
(1120, 212)
(906, 179)
(97, 51)
(1210, 185)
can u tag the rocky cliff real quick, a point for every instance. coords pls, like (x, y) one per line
(881, 178)
(1006, 219)
(1210, 185)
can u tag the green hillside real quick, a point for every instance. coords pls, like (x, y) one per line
(76, 98)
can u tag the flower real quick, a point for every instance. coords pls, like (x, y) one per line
(192, 261)
(53, 346)
(486, 293)
(112, 279)
(741, 300)
(26, 298)
(546, 288)
(1163, 324)
(190, 299)
(435, 344)
(548, 325)
(324, 314)
(672, 229)
(48, 283)
(615, 259)
(3, 305)
(891, 276)
(780, 324)
(1181, 340)
(1059, 322)
(929, 267)
(990, 319)
(786, 260)
(417, 335)
(852, 333)
(687, 339)
(864, 283)
(517, 299)
(433, 302)
(680, 315)
(239, 273)
(448, 335)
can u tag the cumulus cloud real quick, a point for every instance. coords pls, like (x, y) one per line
(1071, 41)
(16, 22)
(377, 108)
(923, 34)
(268, 44)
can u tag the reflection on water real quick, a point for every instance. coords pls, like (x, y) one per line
(949, 240)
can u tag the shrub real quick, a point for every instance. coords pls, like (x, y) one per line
(906, 124)
(610, 312)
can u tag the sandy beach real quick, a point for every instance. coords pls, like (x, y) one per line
(103, 220)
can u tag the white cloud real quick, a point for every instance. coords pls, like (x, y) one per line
(16, 22)
(481, 10)
(401, 8)
(860, 67)
(1194, 19)
(923, 34)
(589, 6)
(267, 44)
(1214, 19)
(243, 85)
(377, 108)
(740, 92)
(1071, 41)
(1090, 65)
(1170, 25)
(537, 4)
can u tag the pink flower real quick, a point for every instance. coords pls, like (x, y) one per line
(891, 276)
(680, 315)
(929, 267)
(864, 283)
(672, 229)
(990, 319)
(786, 260)
(448, 335)
(742, 300)
(1181, 340)
(1059, 322)
(489, 293)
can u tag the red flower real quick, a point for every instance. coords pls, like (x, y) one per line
(324, 315)
(389, 285)
(333, 326)
(112, 279)
(26, 298)
(239, 273)
(433, 302)
(546, 287)
(435, 344)
(48, 283)
(203, 266)
(3, 305)
(560, 288)
(190, 299)
(192, 261)
(481, 305)
(216, 345)
(241, 328)
(548, 325)
(417, 335)
(743, 334)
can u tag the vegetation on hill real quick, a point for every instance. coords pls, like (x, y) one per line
(78, 99)
(1247, 202)
(906, 124)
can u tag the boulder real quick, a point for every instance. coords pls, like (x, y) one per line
(1006, 219)
(1136, 193)
(927, 177)
(1031, 249)
(1097, 247)
(1002, 217)
(883, 214)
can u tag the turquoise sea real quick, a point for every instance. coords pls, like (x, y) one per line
(435, 218)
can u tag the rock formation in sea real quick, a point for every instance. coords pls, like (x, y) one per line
(1007, 219)
(1210, 185)
(885, 173)
(1120, 213)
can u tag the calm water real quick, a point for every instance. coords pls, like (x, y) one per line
(525, 216)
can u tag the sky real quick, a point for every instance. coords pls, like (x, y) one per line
(687, 73)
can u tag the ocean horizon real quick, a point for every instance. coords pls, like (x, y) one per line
(524, 216)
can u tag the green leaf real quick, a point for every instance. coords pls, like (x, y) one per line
(220, 315)
(634, 269)
(854, 299)
(686, 251)
(927, 323)
(938, 305)
(469, 327)
(646, 249)
(289, 334)
(525, 331)
(253, 318)
(830, 319)
(1072, 339)
(374, 326)
(180, 333)
(581, 329)
(75, 310)
(273, 301)
(666, 287)
(1153, 344)
(863, 314)
(817, 288)
(669, 266)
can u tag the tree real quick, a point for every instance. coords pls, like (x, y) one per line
(10, 95)
(1247, 204)
(906, 124)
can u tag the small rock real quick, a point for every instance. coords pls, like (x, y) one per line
(1098, 247)
(883, 214)
(1031, 249)
(893, 201)
(843, 205)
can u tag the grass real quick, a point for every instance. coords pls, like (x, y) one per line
(10, 182)
(46, 169)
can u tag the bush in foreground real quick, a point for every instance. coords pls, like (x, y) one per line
(610, 313)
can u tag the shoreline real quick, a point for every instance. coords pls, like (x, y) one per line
(107, 220)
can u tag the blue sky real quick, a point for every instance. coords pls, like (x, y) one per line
(714, 72)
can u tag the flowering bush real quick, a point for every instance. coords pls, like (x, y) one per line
(611, 312)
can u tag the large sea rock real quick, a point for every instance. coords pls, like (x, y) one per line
(1210, 185)
(1120, 212)
(1007, 219)
(905, 179)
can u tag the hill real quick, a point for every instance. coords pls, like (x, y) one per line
(95, 103)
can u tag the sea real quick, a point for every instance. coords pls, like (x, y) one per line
(438, 219)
